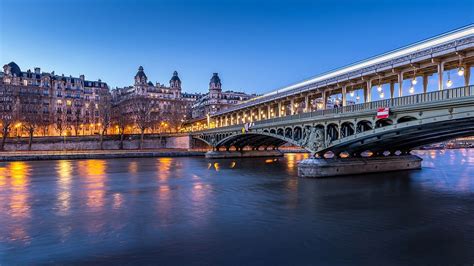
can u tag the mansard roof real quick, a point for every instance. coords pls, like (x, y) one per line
(140, 73)
(215, 79)
(175, 77)
(15, 69)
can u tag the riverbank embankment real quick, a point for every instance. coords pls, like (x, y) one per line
(94, 154)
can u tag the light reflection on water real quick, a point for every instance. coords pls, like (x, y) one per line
(188, 210)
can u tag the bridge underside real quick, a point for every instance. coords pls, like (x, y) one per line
(249, 141)
(386, 138)
(354, 134)
(406, 139)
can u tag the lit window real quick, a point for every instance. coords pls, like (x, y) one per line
(68, 103)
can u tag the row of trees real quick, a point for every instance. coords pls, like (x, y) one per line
(31, 111)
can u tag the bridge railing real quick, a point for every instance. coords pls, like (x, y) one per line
(434, 96)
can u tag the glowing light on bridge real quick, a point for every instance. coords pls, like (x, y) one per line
(449, 83)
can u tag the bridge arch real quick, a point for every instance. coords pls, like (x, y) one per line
(280, 132)
(332, 132)
(383, 122)
(255, 140)
(363, 125)
(406, 119)
(347, 129)
(297, 133)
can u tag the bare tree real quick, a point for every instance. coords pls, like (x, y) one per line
(77, 118)
(105, 115)
(145, 113)
(174, 118)
(121, 119)
(45, 121)
(30, 112)
(8, 111)
(60, 121)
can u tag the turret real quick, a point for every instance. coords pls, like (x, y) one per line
(175, 85)
(215, 86)
(140, 77)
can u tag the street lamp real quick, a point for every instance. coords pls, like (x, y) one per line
(449, 83)
(412, 90)
(379, 88)
(414, 81)
(461, 71)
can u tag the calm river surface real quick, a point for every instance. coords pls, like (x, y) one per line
(235, 212)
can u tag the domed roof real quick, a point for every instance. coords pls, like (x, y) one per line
(150, 83)
(175, 77)
(215, 79)
(140, 73)
(15, 69)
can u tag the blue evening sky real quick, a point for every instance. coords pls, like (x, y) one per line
(256, 46)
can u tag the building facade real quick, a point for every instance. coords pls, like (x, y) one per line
(170, 104)
(67, 105)
(216, 100)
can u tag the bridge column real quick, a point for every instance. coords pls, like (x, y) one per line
(279, 109)
(268, 111)
(324, 97)
(292, 106)
(306, 104)
(344, 95)
(440, 75)
(368, 92)
(400, 84)
(392, 89)
(425, 83)
(467, 75)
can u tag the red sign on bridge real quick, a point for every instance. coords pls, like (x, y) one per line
(383, 112)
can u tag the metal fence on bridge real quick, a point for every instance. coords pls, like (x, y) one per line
(434, 96)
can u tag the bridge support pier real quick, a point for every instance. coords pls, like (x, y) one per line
(320, 167)
(242, 154)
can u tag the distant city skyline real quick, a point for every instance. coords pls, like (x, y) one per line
(256, 47)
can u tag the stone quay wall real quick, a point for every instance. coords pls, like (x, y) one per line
(130, 142)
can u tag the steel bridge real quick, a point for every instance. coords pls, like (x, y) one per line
(414, 121)
(419, 114)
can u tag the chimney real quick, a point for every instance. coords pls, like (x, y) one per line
(37, 70)
(82, 77)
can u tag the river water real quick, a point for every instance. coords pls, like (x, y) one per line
(193, 211)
